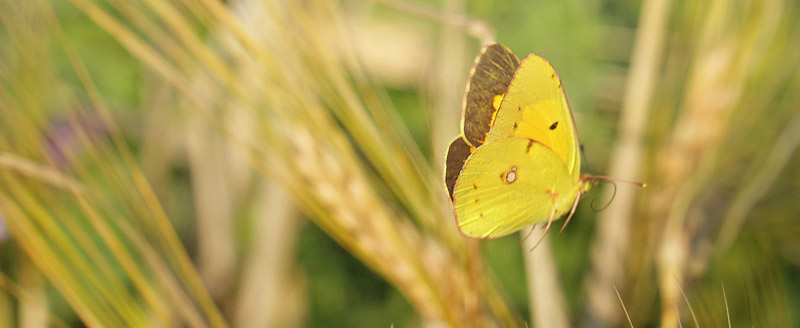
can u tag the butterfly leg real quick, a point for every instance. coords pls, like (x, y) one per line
(530, 232)
(571, 212)
(546, 229)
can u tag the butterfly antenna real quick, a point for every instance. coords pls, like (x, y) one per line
(546, 229)
(530, 232)
(571, 212)
(613, 195)
(603, 177)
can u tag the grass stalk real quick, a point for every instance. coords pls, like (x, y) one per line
(612, 239)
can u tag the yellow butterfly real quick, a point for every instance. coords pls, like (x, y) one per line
(527, 168)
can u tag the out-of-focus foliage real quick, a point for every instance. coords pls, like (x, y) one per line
(278, 163)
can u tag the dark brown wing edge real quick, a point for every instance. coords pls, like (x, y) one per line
(490, 76)
(456, 156)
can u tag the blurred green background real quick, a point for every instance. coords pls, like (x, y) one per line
(278, 164)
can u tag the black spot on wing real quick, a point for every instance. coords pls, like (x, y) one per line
(553, 126)
(530, 144)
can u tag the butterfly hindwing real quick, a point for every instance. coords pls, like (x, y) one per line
(457, 154)
(508, 184)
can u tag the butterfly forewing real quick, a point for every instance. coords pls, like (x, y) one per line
(535, 107)
(489, 79)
